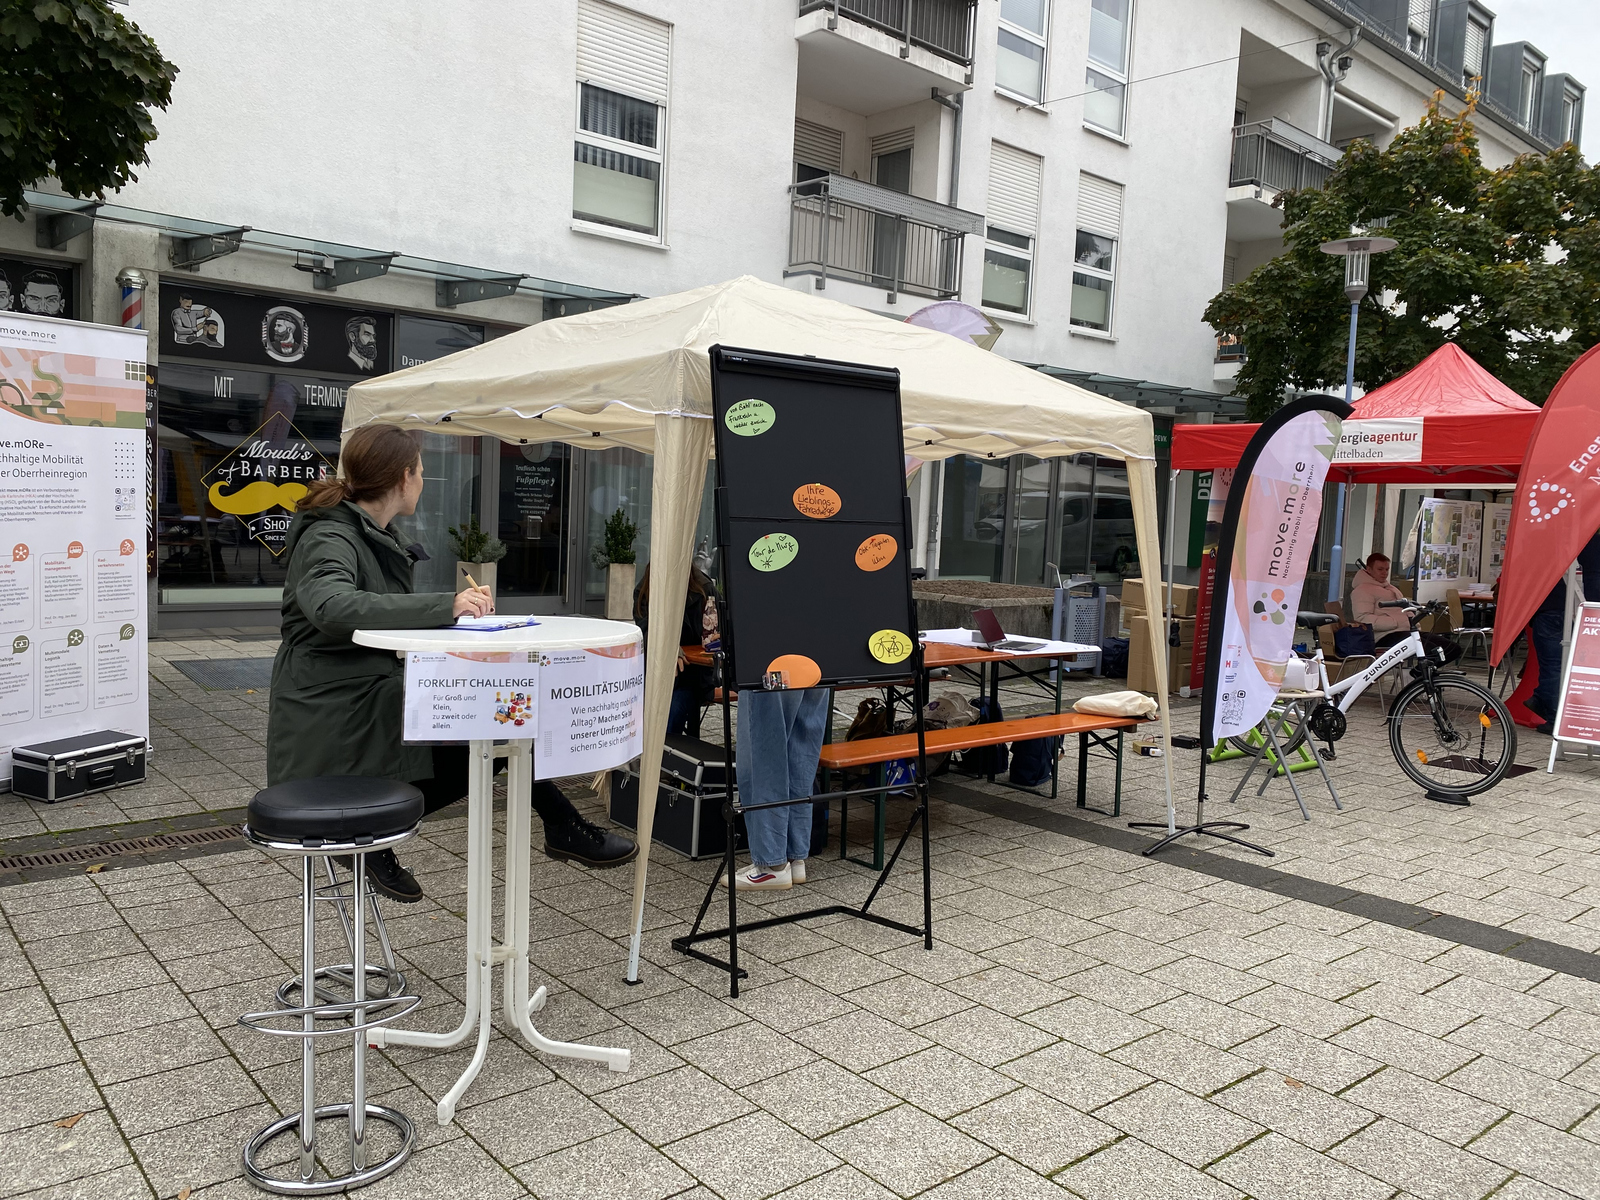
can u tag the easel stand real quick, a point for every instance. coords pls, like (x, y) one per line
(725, 870)
(1201, 826)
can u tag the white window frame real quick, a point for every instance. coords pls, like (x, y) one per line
(1529, 83)
(1474, 78)
(1027, 255)
(1109, 274)
(1120, 75)
(657, 155)
(1571, 115)
(1419, 32)
(1041, 40)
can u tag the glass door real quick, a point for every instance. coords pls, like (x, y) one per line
(534, 500)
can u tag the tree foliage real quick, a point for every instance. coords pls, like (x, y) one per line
(1504, 263)
(75, 96)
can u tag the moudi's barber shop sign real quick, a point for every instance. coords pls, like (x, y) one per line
(264, 477)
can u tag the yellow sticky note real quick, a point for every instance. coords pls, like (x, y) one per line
(889, 646)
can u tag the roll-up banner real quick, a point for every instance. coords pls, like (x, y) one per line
(1269, 531)
(73, 630)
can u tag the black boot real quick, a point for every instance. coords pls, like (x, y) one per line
(386, 876)
(574, 839)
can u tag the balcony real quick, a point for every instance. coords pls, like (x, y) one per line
(1270, 157)
(869, 56)
(841, 228)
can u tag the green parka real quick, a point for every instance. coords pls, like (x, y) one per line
(336, 707)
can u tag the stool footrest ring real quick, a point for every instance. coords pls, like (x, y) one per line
(331, 1012)
(342, 974)
(321, 1187)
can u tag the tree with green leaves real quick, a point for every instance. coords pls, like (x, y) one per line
(75, 97)
(1504, 263)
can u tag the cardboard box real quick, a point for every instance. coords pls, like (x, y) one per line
(1141, 663)
(1185, 596)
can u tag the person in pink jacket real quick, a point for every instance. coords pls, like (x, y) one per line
(1370, 586)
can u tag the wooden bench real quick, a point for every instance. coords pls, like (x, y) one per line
(1090, 728)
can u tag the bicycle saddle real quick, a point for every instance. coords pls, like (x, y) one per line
(1313, 619)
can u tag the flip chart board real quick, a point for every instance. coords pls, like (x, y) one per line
(812, 520)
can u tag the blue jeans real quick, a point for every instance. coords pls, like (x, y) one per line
(1545, 633)
(780, 741)
(683, 713)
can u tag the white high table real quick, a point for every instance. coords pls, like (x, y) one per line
(551, 633)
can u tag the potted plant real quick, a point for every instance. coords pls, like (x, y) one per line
(615, 553)
(476, 554)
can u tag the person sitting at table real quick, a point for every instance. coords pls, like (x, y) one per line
(1371, 586)
(692, 689)
(336, 708)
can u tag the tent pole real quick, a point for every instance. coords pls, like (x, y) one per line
(1142, 493)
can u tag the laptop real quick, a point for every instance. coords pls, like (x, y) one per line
(992, 637)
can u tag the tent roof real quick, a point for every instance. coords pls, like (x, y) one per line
(1474, 428)
(599, 379)
(1449, 382)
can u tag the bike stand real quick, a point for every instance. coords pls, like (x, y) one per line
(1441, 798)
(1271, 750)
(1201, 826)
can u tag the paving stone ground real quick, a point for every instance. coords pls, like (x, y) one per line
(1091, 1022)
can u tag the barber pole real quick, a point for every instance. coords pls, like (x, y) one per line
(132, 303)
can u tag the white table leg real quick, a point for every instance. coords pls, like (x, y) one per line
(519, 847)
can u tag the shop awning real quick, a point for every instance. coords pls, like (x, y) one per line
(1142, 393)
(1445, 423)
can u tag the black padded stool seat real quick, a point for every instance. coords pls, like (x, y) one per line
(334, 808)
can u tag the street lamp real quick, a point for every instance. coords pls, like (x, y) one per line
(1357, 253)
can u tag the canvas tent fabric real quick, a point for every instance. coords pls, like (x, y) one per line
(639, 376)
(1473, 428)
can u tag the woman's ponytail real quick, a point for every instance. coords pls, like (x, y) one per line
(373, 461)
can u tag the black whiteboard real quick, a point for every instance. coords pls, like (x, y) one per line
(810, 485)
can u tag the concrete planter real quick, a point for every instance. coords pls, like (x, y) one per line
(619, 591)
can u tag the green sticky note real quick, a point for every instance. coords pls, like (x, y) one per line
(773, 552)
(747, 418)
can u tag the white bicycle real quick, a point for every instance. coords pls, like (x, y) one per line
(1450, 736)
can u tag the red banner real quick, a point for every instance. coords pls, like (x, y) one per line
(1557, 508)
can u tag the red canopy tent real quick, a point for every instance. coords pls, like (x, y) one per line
(1446, 422)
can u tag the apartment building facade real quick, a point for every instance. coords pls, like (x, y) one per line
(345, 190)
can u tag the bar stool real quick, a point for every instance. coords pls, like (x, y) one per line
(315, 819)
(335, 981)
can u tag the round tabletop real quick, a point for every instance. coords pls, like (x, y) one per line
(551, 633)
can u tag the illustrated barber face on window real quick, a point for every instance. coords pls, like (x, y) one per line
(362, 335)
(41, 295)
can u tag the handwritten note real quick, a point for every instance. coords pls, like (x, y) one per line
(817, 500)
(798, 671)
(889, 646)
(773, 552)
(876, 552)
(748, 418)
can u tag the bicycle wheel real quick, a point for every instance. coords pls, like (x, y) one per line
(1288, 726)
(1451, 736)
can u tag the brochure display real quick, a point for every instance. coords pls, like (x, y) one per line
(73, 629)
(1578, 709)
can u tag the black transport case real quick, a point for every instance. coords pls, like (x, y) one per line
(77, 766)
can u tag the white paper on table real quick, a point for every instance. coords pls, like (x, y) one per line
(591, 710)
(969, 638)
(471, 695)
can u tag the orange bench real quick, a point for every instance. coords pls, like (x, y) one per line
(1089, 727)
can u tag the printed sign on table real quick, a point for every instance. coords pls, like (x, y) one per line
(1578, 715)
(468, 696)
(591, 710)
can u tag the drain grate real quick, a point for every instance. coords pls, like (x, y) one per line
(228, 674)
(102, 850)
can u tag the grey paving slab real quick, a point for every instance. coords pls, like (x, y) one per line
(1278, 1168)
(674, 1105)
(941, 1082)
(619, 1165)
(1423, 1165)
(906, 1150)
(1036, 1130)
(1295, 1109)
(1190, 1129)
(751, 1157)
(1547, 1155)
(1132, 1170)
(1432, 1108)
(821, 1098)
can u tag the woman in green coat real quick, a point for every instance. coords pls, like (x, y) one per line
(336, 707)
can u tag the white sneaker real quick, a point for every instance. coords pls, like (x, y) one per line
(759, 879)
(797, 869)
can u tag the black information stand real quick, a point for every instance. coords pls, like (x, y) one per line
(814, 539)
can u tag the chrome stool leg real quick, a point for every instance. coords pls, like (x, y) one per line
(342, 973)
(356, 1017)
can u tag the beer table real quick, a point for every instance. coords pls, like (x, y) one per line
(483, 952)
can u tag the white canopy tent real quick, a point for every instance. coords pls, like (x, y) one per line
(639, 375)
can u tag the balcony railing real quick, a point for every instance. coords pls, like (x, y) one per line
(845, 229)
(1274, 154)
(941, 26)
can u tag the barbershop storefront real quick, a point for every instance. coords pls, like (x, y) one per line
(252, 392)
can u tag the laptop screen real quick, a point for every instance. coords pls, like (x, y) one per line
(988, 625)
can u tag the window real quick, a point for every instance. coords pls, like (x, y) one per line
(618, 152)
(1418, 21)
(818, 150)
(1105, 106)
(1571, 117)
(1094, 260)
(1527, 99)
(1019, 58)
(1014, 182)
(1477, 45)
